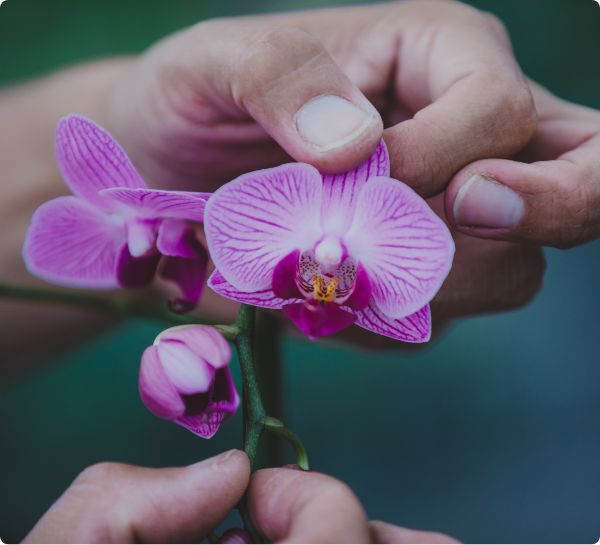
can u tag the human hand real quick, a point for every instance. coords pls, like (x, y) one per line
(232, 95)
(549, 194)
(228, 95)
(117, 503)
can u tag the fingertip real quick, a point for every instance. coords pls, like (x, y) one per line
(230, 468)
(337, 134)
(295, 506)
(486, 199)
(383, 532)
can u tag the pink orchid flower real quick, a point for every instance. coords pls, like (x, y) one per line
(184, 377)
(114, 231)
(330, 250)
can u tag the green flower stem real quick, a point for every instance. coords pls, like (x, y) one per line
(126, 307)
(277, 427)
(268, 352)
(254, 411)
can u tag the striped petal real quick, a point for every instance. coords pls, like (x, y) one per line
(156, 390)
(415, 328)
(405, 248)
(262, 298)
(155, 203)
(90, 159)
(72, 243)
(259, 218)
(340, 191)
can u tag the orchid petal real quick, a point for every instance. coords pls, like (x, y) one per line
(259, 218)
(340, 191)
(201, 339)
(405, 248)
(141, 236)
(222, 403)
(90, 159)
(188, 275)
(263, 298)
(284, 277)
(136, 272)
(415, 328)
(176, 239)
(156, 390)
(318, 320)
(155, 203)
(224, 395)
(72, 243)
(186, 370)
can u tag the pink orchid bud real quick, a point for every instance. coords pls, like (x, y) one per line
(235, 535)
(184, 377)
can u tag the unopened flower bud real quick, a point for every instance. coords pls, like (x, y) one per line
(184, 377)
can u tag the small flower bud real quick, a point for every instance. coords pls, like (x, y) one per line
(184, 377)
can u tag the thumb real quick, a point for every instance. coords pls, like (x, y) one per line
(286, 80)
(118, 503)
(293, 506)
(552, 203)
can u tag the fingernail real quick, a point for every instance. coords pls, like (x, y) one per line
(329, 121)
(484, 202)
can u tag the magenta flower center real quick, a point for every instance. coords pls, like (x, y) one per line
(326, 273)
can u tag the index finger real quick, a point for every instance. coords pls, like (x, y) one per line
(458, 73)
(294, 506)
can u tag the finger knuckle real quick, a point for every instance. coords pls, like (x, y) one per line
(414, 164)
(272, 55)
(569, 221)
(515, 110)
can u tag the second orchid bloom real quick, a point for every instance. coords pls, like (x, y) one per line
(114, 231)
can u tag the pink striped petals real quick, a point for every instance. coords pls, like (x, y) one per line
(90, 159)
(414, 328)
(405, 248)
(262, 298)
(72, 243)
(374, 254)
(185, 378)
(114, 231)
(155, 203)
(254, 221)
(341, 191)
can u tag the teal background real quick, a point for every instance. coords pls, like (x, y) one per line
(491, 434)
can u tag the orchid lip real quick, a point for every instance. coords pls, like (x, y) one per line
(331, 284)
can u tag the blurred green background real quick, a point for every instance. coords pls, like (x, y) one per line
(491, 435)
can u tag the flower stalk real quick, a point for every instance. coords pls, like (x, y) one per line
(277, 427)
(254, 411)
(126, 307)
